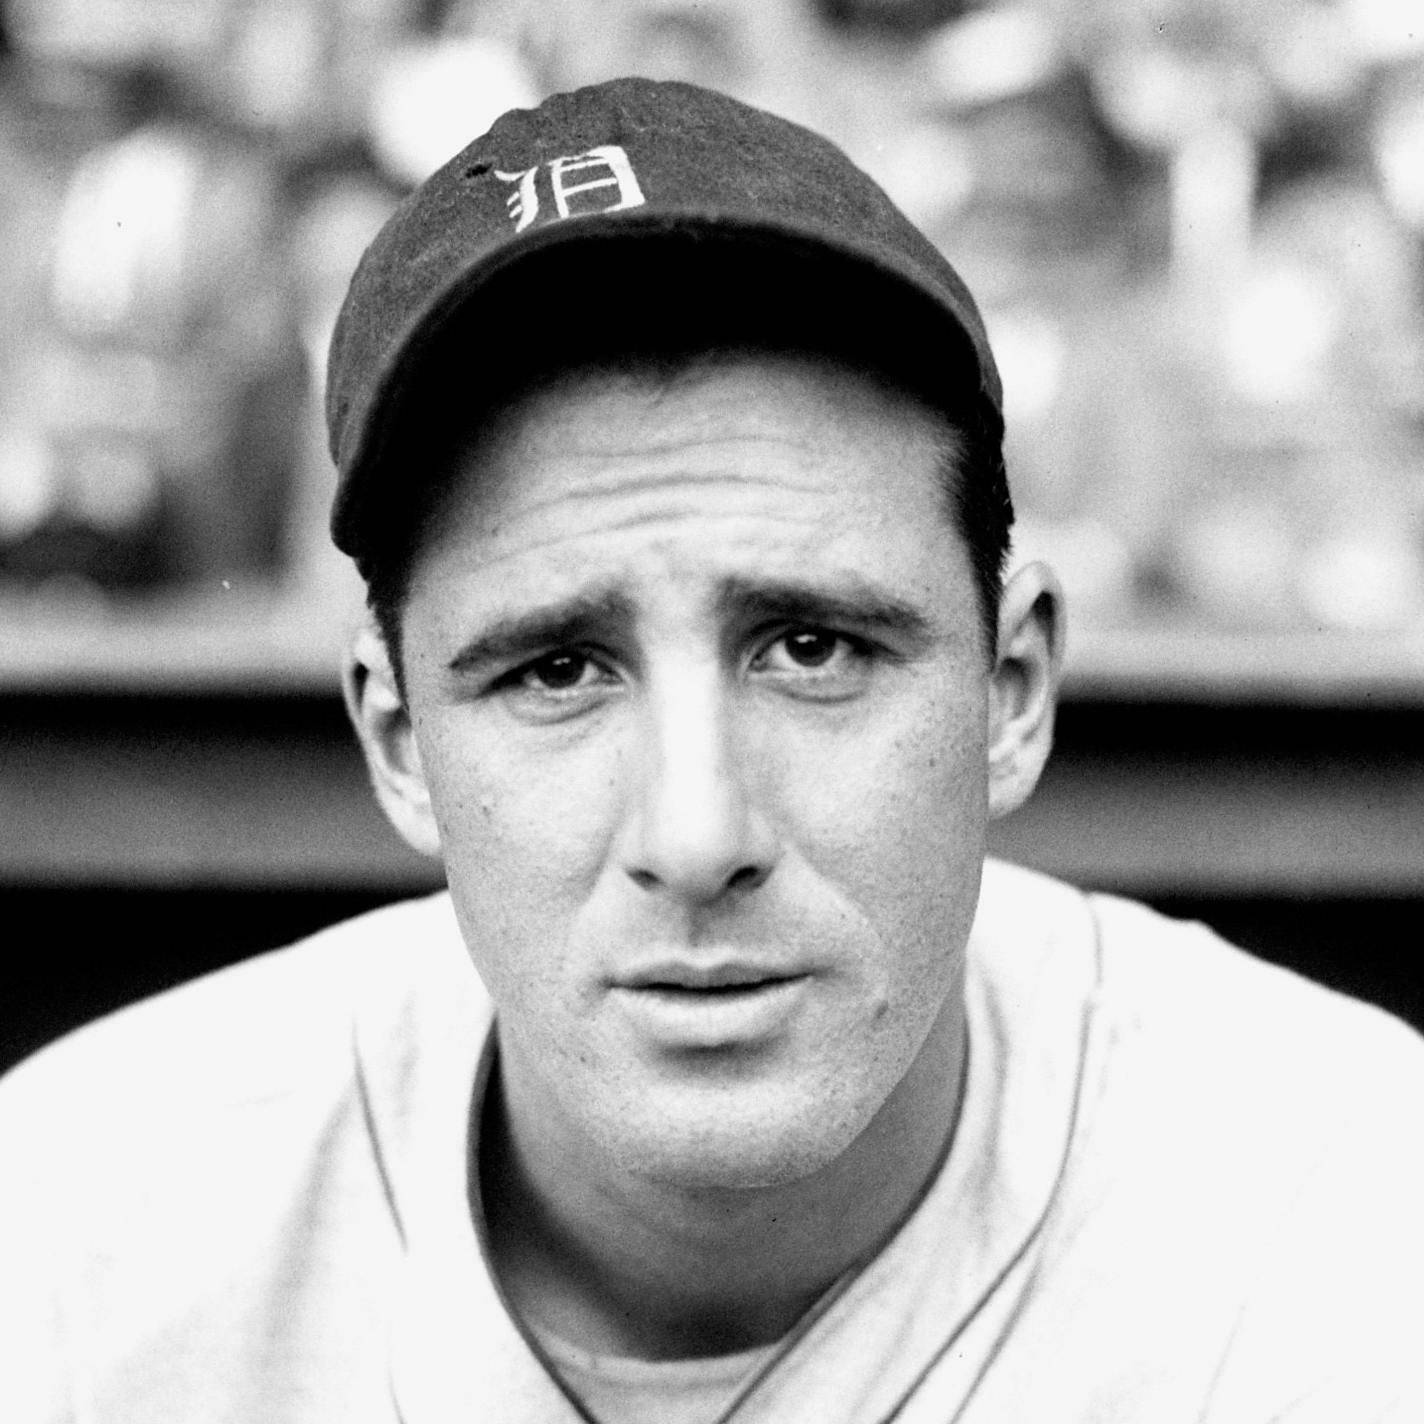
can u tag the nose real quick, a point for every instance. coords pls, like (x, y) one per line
(695, 831)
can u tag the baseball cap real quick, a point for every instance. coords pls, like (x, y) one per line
(641, 168)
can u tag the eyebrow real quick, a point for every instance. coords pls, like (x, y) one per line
(516, 636)
(851, 602)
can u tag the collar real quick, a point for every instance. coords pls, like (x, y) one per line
(424, 1049)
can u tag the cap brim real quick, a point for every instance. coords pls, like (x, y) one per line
(689, 234)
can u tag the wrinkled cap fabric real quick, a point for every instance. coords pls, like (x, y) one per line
(632, 160)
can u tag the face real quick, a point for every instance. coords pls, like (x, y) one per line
(698, 691)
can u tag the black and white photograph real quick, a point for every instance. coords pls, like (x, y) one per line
(712, 712)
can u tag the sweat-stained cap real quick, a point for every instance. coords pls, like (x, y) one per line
(647, 167)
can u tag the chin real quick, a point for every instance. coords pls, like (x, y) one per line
(734, 1147)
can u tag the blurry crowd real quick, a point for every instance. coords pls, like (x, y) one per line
(1196, 226)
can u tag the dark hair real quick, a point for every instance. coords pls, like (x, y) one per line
(653, 311)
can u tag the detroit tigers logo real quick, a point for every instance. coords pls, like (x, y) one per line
(605, 183)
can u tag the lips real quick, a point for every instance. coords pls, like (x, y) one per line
(705, 975)
(676, 1004)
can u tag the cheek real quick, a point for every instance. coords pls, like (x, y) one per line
(893, 797)
(897, 826)
(523, 838)
(501, 797)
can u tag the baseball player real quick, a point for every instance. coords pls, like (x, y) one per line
(726, 1081)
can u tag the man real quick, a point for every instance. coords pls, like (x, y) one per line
(670, 453)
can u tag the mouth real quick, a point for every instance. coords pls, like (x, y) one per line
(683, 1004)
(727, 977)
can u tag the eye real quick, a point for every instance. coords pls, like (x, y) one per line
(811, 647)
(564, 671)
(556, 685)
(816, 661)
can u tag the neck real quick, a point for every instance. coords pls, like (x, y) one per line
(617, 1264)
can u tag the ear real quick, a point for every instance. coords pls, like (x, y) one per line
(383, 726)
(1024, 685)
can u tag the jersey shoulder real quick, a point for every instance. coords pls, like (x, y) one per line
(1182, 979)
(1182, 1007)
(271, 1026)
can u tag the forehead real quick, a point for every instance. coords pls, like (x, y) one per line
(677, 506)
(721, 423)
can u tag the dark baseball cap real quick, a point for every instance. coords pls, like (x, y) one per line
(643, 168)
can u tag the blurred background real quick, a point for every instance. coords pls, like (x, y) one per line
(1196, 228)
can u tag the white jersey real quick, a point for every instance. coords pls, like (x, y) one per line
(1185, 1186)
